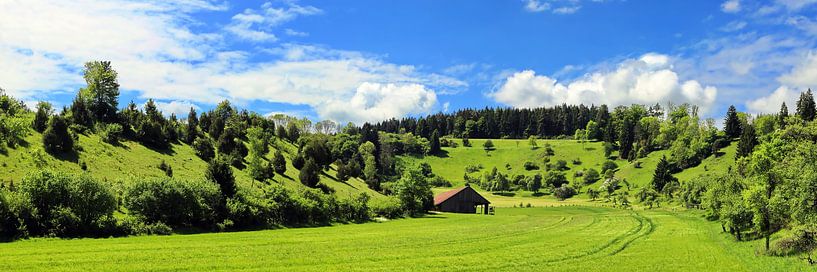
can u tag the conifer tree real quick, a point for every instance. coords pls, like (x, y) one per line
(731, 125)
(434, 143)
(747, 142)
(662, 175)
(806, 107)
(781, 117)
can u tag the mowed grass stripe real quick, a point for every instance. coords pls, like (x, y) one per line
(516, 239)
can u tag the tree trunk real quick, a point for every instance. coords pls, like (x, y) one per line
(767, 241)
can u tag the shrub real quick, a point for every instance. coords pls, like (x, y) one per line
(56, 138)
(166, 168)
(251, 209)
(591, 176)
(473, 168)
(564, 192)
(279, 164)
(388, 208)
(530, 166)
(44, 112)
(174, 202)
(488, 145)
(608, 165)
(310, 174)
(608, 149)
(577, 161)
(219, 172)
(414, 192)
(438, 181)
(560, 165)
(298, 161)
(204, 148)
(9, 223)
(110, 133)
(65, 205)
(555, 179)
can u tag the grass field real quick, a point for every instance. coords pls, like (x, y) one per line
(130, 159)
(571, 238)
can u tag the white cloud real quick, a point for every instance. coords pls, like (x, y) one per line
(772, 102)
(795, 5)
(804, 75)
(446, 105)
(374, 102)
(43, 45)
(734, 26)
(536, 6)
(180, 108)
(567, 10)
(731, 6)
(295, 33)
(255, 26)
(646, 80)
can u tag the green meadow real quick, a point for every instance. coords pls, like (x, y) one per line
(569, 238)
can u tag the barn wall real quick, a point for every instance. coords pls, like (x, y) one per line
(463, 202)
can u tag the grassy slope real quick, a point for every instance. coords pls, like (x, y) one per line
(131, 159)
(536, 239)
(516, 152)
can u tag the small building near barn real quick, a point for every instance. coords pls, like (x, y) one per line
(462, 200)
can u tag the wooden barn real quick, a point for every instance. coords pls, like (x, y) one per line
(462, 200)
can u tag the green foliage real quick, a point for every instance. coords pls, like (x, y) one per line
(65, 205)
(534, 183)
(663, 175)
(731, 125)
(590, 176)
(310, 174)
(279, 164)
(56, 138)
(110, 133)
(44, 112)
(488, 145)
(414, 192)
(608, 165)
(293, 132)
(434, 143)
(102, 91)
(152, 128)
(747, 142)
(806, 107)
(204, 148)
(555, 179)
(219, 172)
(530, 166)
(564, 192)
(174, 202)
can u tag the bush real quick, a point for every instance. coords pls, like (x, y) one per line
(279, 164)
(174, 202)
(591, 176)
(577, 161)
(56, 138)
(488, 145)
(561, 165)
(438, 181)
(219, 172)
(110, 133)
(134, 226)
(473, 168)
(204, 148)
(65, 205)
(555, 179)
(608, 165)
(530, 166)
(564, 192)
(9, 223)
(388, 208)
(250, 209)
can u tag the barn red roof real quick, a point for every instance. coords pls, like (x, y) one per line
(439, 199)
(446, 195)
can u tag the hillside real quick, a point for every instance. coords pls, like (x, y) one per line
(132, 160)
(451, 165)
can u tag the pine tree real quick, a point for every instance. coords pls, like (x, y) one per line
(731, 125)
(279, 163)
(662, 175)
(219, 172)
(781, 117)
(806, 107)
(434, 143)
(80, 114)
(56, 138)
(310, 174)
(44, 112)
(747, 142)
(191, 129)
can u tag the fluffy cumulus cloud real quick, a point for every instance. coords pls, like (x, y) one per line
(158, 54)
(772, 102)
(180, 108)
(646, 80)
(375, 102)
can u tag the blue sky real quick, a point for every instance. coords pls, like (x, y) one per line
(370, 60)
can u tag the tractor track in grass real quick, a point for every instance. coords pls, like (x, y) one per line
(644, 228)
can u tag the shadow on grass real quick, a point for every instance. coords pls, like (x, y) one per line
(70, 156)
(504, 193)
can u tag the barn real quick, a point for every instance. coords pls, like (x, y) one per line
(462, 200)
